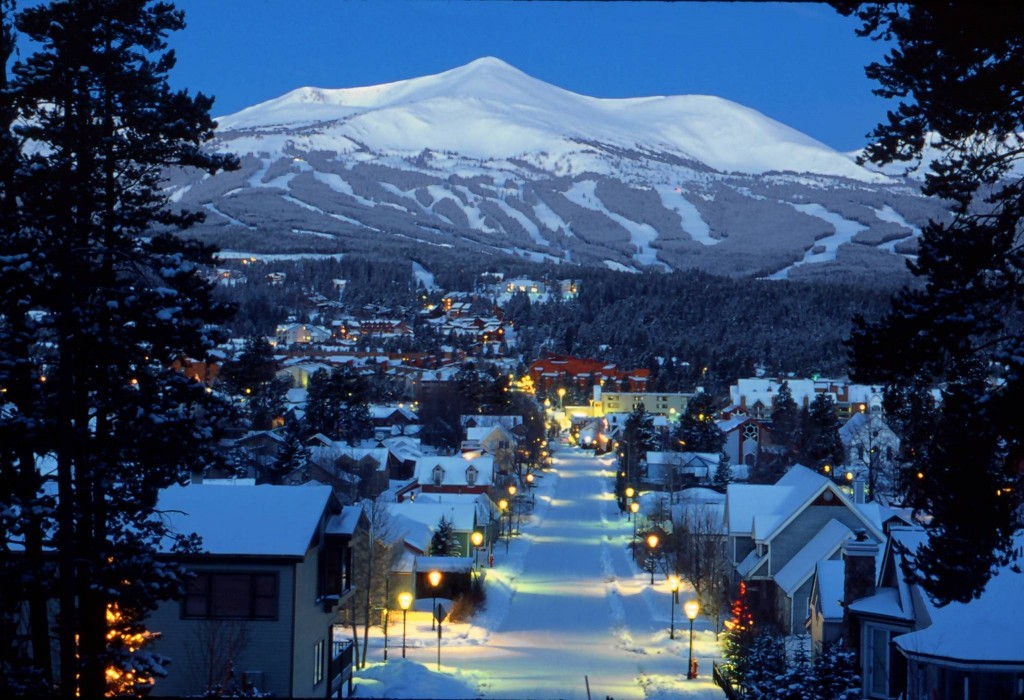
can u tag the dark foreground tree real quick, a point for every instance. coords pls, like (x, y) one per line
(956, 69)
(95, 311)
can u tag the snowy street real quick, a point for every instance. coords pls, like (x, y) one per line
(567, 604)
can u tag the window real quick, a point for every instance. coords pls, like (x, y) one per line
(438, 475)
(318, 662)
(244, 596)
(471, 474)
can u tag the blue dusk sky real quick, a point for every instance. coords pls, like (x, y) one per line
(800, 64)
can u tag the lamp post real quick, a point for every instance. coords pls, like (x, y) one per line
(435, 580)
(503, 506)
(404, 601)
(673, 586)
(561, 395)
(652, 544)
(630, 492)
(476, 539)
(634, 508)
(691, 608)
(511, 499)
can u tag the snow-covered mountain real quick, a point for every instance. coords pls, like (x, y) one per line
(484, 160)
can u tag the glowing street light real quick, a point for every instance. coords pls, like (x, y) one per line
(476, 539)
(673, 585)
(691, 608)
(435, 580)
(652, 544)
(503, 506)
(404, 601)
(561, 396)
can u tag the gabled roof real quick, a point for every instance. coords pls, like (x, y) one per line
(800, 567)
(765, 511)
(454, 470)
(986, 629)
(273, 521)
(461, 515)
(751, 563)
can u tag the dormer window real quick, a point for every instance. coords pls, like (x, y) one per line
(438, 475)
(471, 474)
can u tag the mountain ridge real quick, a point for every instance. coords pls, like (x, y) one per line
(484, 158)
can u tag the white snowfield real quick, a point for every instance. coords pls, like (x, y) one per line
(487, 109)
(566, 605)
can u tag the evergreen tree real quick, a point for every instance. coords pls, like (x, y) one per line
(834, 674)
(96, 309)
(786, 424)
(738, 638)
(637, 440)
(252, 376)
(956, 69)
(723, 472)
(819, 434)
(444, 542)
(292, 455)
(697, 430)
(336, 405)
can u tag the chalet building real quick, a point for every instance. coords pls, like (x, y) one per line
(552, 371)
(262, 611)
(301, 334)
(755, 396)
(778, 533)
(438, 474)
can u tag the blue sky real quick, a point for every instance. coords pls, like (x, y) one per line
(798, 63)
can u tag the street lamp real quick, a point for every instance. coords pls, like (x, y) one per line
(561, 395)
(673, 585)
(404, 601)
(629, 493)
(435, 580)
(476, 539)
(503, 506)
(652, 543)
(634, 508)
(691, 608)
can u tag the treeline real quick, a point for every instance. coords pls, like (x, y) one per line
(690, 328)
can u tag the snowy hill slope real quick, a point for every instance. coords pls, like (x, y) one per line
(484, 159)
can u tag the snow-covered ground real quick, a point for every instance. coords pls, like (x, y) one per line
(566, 606)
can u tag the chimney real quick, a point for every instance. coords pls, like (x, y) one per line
(858, 582)
(858, 490)
(597, 393)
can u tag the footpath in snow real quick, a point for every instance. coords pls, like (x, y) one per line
(565, 606)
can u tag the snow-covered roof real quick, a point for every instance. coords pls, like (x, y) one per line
(345, 522)
(454, 469)
(744, 501)
(986, 629)
(750, 563)
(830, 574)
(261, 520)
(823, 545)
(461, 515)
(413, 533)
(885, 603)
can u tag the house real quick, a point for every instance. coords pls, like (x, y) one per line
(673, 470)
(784, 530)
(439, 474)
(264, 600)
(908, 647)
(301, 333)
(494, 440)
(745, 437)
